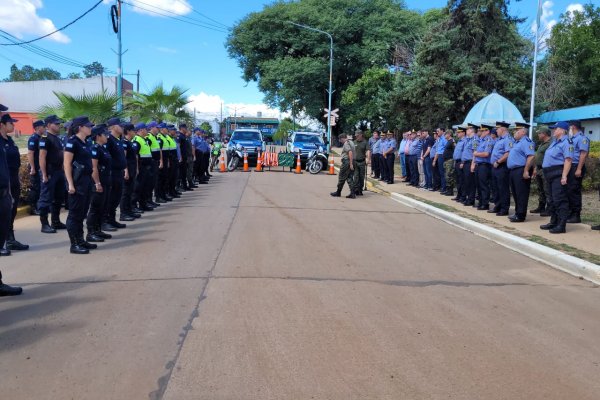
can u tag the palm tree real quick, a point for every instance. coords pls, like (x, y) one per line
(159, 105)
(97, 106)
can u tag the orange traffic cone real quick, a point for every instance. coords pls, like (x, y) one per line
(298, 165)
(331, 167)
(222, 163)
(246, 169)
(259, 162)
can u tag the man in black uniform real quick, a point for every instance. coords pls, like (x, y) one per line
(101, 175)
(52, 176)
(33, 156)
(119, 173)
(5, 210)
(131, 157)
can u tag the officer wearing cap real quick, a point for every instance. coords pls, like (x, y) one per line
(33, 157)
(520, 164)
(118, 173)
(13, 160)
(466, 161)
(188, 150)
(163, 173)
(78, 171)
(382, 165)
(157, 157)
(144, 180)
(5, 214)
(131, 149)
(449, 162)
(557, 165)
(174, 162)
(500, 170)
(459, 177)
(347, 168)
(360, 166)
(414, 152)
(439, 158)
(481, 159)
(182, 146)
(581, 148)
(389, 155)
(53, 177)
(374, 160)
(544, 138)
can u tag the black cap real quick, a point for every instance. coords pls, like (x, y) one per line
(3, 107)
(7, 118)
(575, 123)
(128, 127)
(502, 124)
(486, 126)
(522, 125)
(52, 119)
(81, 121)
(113, 122)
(99, 129)
(470, 125)
(39, 122)
(184, 125)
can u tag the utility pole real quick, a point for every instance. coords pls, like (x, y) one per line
(138, 82)
(535, 56)
(120, 62)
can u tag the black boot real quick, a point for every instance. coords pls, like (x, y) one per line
(84, 243)
(77, 245)
(337, 193)
(13, 244)
(575, 218)
(538, 210)
(352, 195)
(46, 228)
(4, 251)
(103, 235)
(549, 225)
(561, 227)
(56, 224)
(92, 236)
(6, 290)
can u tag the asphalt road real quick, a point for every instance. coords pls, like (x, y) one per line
(262, 286)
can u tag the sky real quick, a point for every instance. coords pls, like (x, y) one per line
(191, 55)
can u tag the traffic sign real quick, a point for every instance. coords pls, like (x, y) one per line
(334, 113)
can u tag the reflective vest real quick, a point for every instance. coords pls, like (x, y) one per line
(163, 139)
(144, 147)
(154, 145)
(171, 143)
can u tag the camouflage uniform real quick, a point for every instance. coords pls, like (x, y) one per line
(450, 174)
(346, 174)
(360, 165)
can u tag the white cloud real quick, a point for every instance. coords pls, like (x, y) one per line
(151, 7)
(575, 7)
(546, 21)
(208, 107)
(20, 18)
(167, 50)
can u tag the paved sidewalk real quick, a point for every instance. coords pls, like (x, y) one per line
(579, 237)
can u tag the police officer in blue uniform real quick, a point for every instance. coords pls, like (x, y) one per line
(131, 149)
(144, 181)
(383, 139)
(581, 148)
(5, 214)
(52, 176)
(468, 169)
(459, 177)
(415, 147)
(556, 166)
(101, 176)
(118, 173)
(481, 157)
(520, 164)
(78, 171)
(500, 171)
(389, 155)
(33, 157)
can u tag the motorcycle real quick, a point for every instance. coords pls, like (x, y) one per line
(214, 156)
(235, 155)
(317, 161)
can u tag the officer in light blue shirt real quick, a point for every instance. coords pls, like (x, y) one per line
(581, 148)
(373, 146)
(382, 146)
(483, 169)
(467, 160)
(389, 154)
(500, 172)
(557, 165)
(456, 156)
(520, 163)
(401, 154)
(414, 152)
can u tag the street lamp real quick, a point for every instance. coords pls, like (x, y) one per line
(330, 91)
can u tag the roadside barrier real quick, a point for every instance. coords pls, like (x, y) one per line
(259, 162)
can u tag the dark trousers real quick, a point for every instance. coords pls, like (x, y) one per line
(114, 197)
(484, 175)
(163, 176)
(182, 175)
(413, 161)
(190, 172)
(78, 203)
(52, 195)
(360, 172)
(125, 203)
(174, 174)
(15, 191)
(154, 179)
(34, 189)
(502, 180)
(143, 183)
(5, 214)
(346, 175)
(436, 180)
(375, 169)
(520, 189)
(460, 180)
(440, 168)
(574, 189)
(389, 163)
(407, 166)
(494, 195)
(558, 200)
(428, 171)
(542, 188)
(469, 178)
(98, 203)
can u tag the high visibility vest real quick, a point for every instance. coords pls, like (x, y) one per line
(163, 138)
(144, 147)
(171, 142)
(154, 145)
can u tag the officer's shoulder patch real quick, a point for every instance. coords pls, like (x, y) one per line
(94, 152)
(585, 141)
(69, 145)
(510, 144)
(571, 148)
(31, 142)
(43, 143)
(531, 147)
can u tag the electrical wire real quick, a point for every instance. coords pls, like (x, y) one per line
(58, 30)
(205, 16)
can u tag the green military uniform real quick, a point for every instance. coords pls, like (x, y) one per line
(346, 174)
(542, 185)
(449, 166)
(360, 164)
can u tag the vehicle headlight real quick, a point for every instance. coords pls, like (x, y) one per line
(239, 146)
(295, 149)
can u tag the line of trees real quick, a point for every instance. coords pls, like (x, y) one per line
(29, 73)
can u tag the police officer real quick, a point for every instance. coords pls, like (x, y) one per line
(361, 149)
(144, 181)
(414, 151)
(466, 160)
(163, 173)
(449, 163)
(377, 162)
(439, 159)
(78, 171)
(520, 164)
(101, 176)
(544, 137)
(456, 158)
(383, 140)
(52, 176)
(374, 168)
(114, 188)
(557, 165)
(13, 160)
(182, 142)
(188, 149)
(33, 157)
(175, 162)
(5, 215)
(581, 148)
(347, 168)
(131, 149)
(500, 170)
(158, 162)
(481, 158)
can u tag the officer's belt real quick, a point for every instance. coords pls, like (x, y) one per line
(363, 160)
(553, 168)
(482, 163)
(513, 168)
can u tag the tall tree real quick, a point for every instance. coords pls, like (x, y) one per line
(98, 106)
(29, 73)
(292, 64)
(206, 127)
(93, 69)
(159, 104)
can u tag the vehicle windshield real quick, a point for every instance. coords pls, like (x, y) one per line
(308, 139)
(246, 136)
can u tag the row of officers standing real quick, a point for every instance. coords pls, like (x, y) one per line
(94, 170)
(486, 164)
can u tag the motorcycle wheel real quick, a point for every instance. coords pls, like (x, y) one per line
(233, 164)
(315, 167)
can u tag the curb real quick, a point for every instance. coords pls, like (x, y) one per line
(556, 259)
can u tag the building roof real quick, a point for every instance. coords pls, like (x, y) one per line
(492, 108)
(591, 111)
(253, 120)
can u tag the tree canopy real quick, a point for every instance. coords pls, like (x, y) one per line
(93, 69)
(29, 73)
(159, 104)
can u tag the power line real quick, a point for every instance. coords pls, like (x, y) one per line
(205, 16)
(58, 30)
